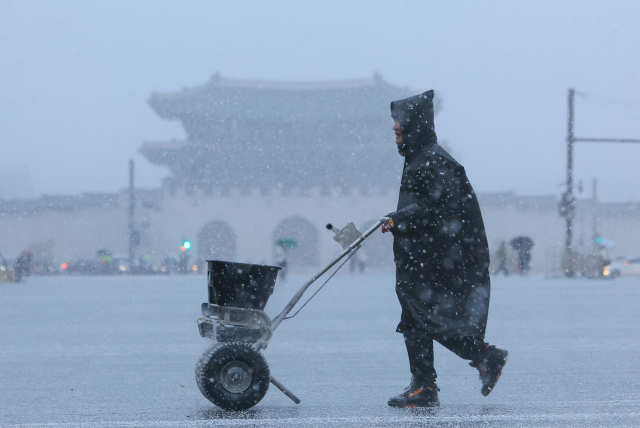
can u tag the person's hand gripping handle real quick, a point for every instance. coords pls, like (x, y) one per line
(387, 224)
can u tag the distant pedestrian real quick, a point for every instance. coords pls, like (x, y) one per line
(281, 257)
(523, 245)
(501, 255)
(5, 272)
(358, 262)
(22, 267)
(183, 264)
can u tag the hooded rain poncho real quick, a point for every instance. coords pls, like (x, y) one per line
(440, 246)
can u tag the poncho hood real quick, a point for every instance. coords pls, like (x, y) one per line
(415, 115)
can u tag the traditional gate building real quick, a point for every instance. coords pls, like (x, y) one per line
(279, 141)
(270, 160)
(279, 136)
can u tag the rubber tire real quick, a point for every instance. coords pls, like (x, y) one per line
(208, 375)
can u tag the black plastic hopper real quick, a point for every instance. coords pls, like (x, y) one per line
(240, 285)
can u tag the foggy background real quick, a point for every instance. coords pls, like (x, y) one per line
(75, 77)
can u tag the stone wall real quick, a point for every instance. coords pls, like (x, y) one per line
(252, 220)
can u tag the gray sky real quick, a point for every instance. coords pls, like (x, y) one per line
(75, 77)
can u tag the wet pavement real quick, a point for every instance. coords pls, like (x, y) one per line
(110, 352)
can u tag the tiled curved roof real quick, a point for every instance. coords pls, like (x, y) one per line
(243, 133)
(223, 98)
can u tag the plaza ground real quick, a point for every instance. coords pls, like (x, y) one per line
(110, 352)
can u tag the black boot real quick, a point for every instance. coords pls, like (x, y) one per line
(417, 395)
(490, 367)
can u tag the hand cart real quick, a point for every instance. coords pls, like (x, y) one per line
(232, 373)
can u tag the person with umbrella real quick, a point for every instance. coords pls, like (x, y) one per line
(282, 245)
(523, 245)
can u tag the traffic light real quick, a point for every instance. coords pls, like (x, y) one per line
(186, 244)
(598, 240)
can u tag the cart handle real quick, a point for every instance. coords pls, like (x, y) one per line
(276, 322)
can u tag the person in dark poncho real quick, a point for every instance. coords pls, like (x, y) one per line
(441, 256)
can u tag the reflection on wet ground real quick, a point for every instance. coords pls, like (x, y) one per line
(109, 352)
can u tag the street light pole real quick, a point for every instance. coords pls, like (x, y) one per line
(132, 207)
(594, 203)
(569, 203)
(567, 206)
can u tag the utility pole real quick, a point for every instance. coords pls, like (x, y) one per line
(567, 205)
(133, 236)
(594, 243)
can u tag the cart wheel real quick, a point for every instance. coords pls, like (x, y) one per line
(233, 376)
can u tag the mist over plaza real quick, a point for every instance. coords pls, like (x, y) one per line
(150, 148)
(83, 86)
(77, 77)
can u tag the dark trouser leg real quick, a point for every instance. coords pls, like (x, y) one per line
(420, 350)
(467, 348)
(502, 268)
